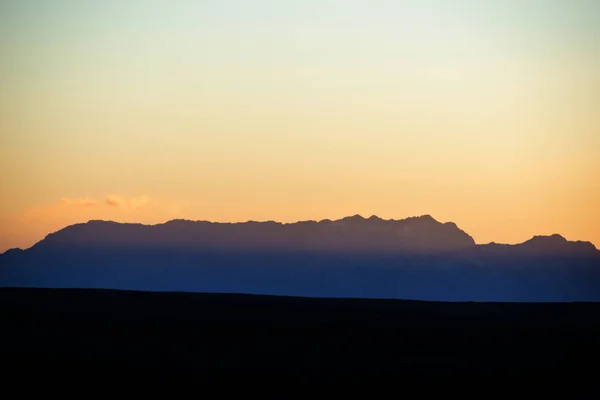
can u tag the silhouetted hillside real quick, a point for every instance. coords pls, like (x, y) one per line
(544, 245)
(415, 258)
(419, 234)
(103, 334)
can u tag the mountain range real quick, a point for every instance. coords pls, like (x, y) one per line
(414, 258)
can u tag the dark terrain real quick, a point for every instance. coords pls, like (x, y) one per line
(72, 334)
(530, 310)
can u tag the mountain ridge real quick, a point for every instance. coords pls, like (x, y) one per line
(460, 238)
(354, 232)
(416, 258)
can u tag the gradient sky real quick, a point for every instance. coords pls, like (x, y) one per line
(485, 113)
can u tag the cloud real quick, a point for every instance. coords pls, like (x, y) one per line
(78, 202)
(114, 201)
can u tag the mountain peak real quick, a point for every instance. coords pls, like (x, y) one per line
(423, 218)
(546, 240)
(355, 217)
(555, 237)
(556, 243)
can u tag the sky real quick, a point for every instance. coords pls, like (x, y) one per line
(481, 112)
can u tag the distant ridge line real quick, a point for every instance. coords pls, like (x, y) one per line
(425, 227)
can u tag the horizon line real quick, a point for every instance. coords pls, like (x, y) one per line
(355, 216)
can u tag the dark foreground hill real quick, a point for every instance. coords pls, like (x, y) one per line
(72, 334)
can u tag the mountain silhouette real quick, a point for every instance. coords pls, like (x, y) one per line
(355, 233)
(414, 258)
(539, 244)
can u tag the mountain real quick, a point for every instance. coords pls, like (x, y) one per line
(355, 233)
(415, 258)
(543, 245)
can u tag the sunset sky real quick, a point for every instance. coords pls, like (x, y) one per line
(484, 113)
